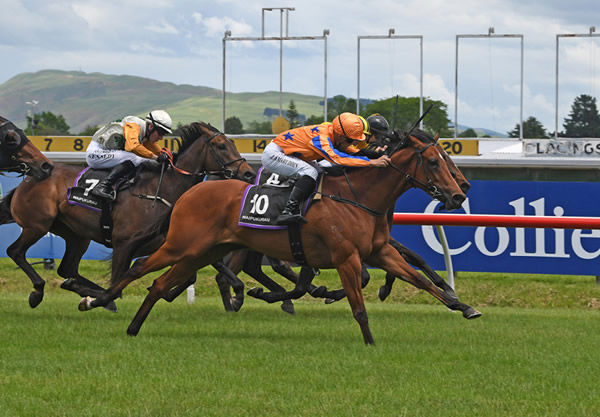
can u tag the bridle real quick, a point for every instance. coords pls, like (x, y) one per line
(21, 168)
(223, 170)
(429, 187)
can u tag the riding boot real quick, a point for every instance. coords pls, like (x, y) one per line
(105, 188)
(304, 186)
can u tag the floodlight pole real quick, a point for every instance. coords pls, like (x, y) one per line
(591, 34)
(391, 35)
(227, 37)
(490, 34)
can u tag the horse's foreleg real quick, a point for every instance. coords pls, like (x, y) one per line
(415, 260)
(390, 261)
(238, 286)
(350, 274)
(304, 280)
(17, 252)
(176, 292)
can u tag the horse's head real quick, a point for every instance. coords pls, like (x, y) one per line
(425, 167)
(215, 152)
(459, 177)
(18, 154)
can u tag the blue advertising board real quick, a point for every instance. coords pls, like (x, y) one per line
(487, 249)
(502, 249)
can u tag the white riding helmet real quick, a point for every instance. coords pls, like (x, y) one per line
(160, 118)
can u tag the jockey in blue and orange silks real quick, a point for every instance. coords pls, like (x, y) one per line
(293, 153)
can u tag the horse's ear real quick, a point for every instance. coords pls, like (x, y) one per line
(436, 137)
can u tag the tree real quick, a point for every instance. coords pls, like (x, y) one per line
(233, 125)
(260, 127)
(403, 112)
(532, 129)
(47, 124)
(340, 104)
(292, 115)
(89, 130)
(467, 133)
(583, 120)
(313, 120)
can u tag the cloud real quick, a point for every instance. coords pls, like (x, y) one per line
(216, 26)
(163, 28)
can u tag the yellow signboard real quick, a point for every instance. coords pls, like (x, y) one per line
(244, 145)
(460, 147)
(80, 143)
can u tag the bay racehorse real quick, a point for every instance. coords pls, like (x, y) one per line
(18, 154)
(139, 220)
(341, 232)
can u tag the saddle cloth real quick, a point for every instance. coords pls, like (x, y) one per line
(264, 200)
(79, 194)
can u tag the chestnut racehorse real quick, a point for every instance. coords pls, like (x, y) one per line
(342, 231)
(139, 221)
(18, 154)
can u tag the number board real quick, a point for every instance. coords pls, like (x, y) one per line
(460, 147)
(244, 145)
(80, 143)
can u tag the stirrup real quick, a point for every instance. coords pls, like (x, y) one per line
(290, 218)
(98, 192)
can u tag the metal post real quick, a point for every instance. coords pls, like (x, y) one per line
(280, 38)
(489, 35)
(591, 34)
(227, 34)
(390, 35)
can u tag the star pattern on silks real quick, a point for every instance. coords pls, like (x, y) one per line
(315, 129)
(288, 136)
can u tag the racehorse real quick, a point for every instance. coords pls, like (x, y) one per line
(140, 213)
(341, 232)
(250, 261)
(18, 154)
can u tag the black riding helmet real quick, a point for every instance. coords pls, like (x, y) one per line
(379, 126)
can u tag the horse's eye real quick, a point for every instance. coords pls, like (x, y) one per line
(221, 146)
(434, 163)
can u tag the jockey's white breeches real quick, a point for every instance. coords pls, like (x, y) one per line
(275, 160)
(99, 158)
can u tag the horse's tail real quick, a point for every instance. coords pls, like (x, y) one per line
(5, 214)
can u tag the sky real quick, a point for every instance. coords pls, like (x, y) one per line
(182, 42)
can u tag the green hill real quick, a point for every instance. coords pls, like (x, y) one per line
(95, 98)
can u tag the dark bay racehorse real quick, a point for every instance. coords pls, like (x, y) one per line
(340, 233)
(139, 222)
(18, 154)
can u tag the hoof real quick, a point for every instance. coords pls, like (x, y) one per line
(236, 303)
(255, 292)
(471, 313)
(330, 300)
(383, 293)
(85, 304)
(288, 307)
(35, 298)
(132, 331)
(112, 307)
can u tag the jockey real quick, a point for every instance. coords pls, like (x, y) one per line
(293, 153)
(124, 145)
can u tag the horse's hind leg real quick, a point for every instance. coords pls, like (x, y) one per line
(17, 252)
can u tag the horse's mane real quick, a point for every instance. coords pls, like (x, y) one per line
(190, 133)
